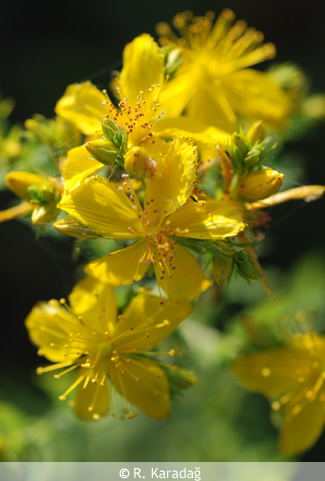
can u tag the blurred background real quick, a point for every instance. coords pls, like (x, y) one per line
(45, 48)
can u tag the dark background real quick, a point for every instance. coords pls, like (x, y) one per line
(43, 48)
(46, 46)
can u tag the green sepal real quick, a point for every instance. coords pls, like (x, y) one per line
(179, 379)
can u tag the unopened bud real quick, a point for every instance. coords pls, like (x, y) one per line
(109, 128)
(103, 151)
(21, 182)
(239, 148)
(137, 162)
(246, 267)
(11, 148)
(260, 185)
(256, 133)
(222, 268)
(31, 125)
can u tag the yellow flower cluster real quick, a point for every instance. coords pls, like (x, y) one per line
(139, 175)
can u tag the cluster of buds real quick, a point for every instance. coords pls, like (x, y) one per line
(41, 195)
(246, 178)
(229, 257)
(249, 151)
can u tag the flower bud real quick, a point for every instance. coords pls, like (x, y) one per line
(222, 268)
(103, 151)
(260, 185)
(256, 133)
(11, 148)
(137, 162)
(109, 129)
(239, 148)
(246, 267)
(20, 183)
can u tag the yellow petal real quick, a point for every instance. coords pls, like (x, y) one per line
(174, 181)
(98, 204)
(121, 267)
(206, 138)
(210, 219)
(210, 105)
(48, 326)
(300, 431)
(95, 397)
(177, 92)
(71, 226)
(192, 128)
(187, 280)
(270, 372)
(82, 105)
(17, 211)
(136, 185)
(255, 94)
(157, 151)
(143, 67)
(18, 182)
(146, 315)
(78, 166)
(95, 303)
(144, 384)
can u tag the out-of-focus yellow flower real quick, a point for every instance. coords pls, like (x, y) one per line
(110, 353)
(105, 211)
(293, 377)
(10, 145)
(213, 83)
(139, 113)
(40, 194)
(314, 107)
(57, 134)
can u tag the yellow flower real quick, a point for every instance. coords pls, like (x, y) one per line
(106, 211)
(139, 113)
(213, 83)
(293, 377)
(111, 354)
(40, 194)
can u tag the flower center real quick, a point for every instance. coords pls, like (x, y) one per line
(104, 349)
